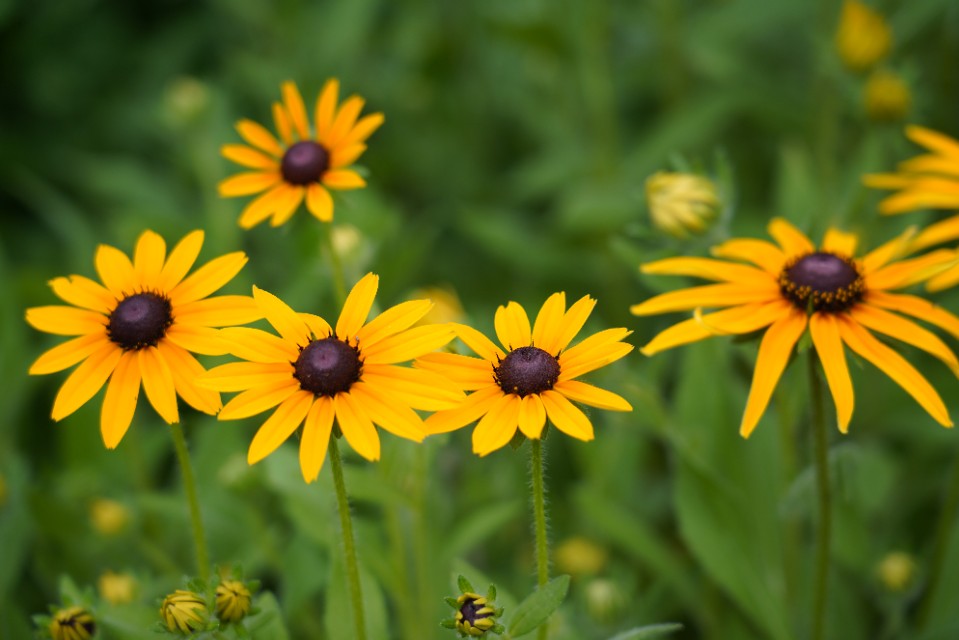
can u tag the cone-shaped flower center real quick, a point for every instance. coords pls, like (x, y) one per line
(327, 367)
(527, 370)
(304, 162)
(140, 321)
(822, 282)
(472, 611)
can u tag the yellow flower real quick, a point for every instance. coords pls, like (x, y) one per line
(897, 571)
(580, 557)
(886, 96)
(72, 623)
(446, 305)
(109, 517)
(140, 325)
(116, 588)
(303, 163)
(680, 203)
(928, 181)
(316, 373)
(184, 612)
(863, 37)
(532, 379)
(233, 600)
(785, 289)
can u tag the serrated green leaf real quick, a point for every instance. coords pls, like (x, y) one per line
(538, 607)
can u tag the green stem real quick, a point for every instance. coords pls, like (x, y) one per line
(189, 487)
(821, 446)
(349, 548)
(339, 281)
(539, 516)
(947, 519)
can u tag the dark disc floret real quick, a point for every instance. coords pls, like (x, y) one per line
(474, 610)
(822, 281)
(140, 321)
(305, 162)
(526, 370)
(327, 367)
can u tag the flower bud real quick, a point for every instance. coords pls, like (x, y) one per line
(886, 97)
(72, 623)
(184, 612)
(896, 571)
(475, 614)
(863, 37)
(681, 203)
(580, 557)
(109, 517)
(116, 588)
(233, 600)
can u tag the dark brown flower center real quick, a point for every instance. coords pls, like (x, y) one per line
(526, 370)
(471, 611)
(327, 367)
(140, 320)
(304, 162)
(822, 281)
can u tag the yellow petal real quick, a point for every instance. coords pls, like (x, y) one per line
(181, 260)
(284, 126)
(286, 204)
(343, 179)
(512, 326)
(248, 157)
(363, 129)
(765, 255)
(933, 164)
(532, 416)
(326, 107)
(943, 231)
(259, 137)
(908, 331)
(943, 280)
(263, 206)
(408, 344)
(204, 340)
(933, 140)
(840, 243)
(259, 399)
(120, 400)
(158, 383)
(480, 344)
(587, 348)
(148, 259)
(572, 323)
(220, 311)
(916, 307)
(357, 307)
(83, 292)
(69, 353)
(395, 319)
(296, 109)
(345, 119)
(710, 295)
(774, 351)
(892, 250)
(319, 202)
(793, 241)
(208, 278)
(468, 373)
(284, 319)
(318, 326)
(894, 366)
(240, 376)
(248, 183)
(498, 426)
(345, 156)
(707, 269)
(66, 321)
(908, 272)
(115, 271)
(591, 395)
(279, 426)
(420, 389)
(316, 437)
(824, 330)
(549, 322)
(186, 370)
(356, 426)
(258, 346)
(467, 411)
(86, 380)
(887, 180)
(567, 418)
(386, 411)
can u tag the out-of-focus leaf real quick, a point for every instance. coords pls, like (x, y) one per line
(649, 631)
(538, 607)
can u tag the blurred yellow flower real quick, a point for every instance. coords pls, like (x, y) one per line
(886, 96)
(305, 163)
(186, 98)
(233, 601)
(605, 600)
(109, 517)
(72, 623)
(116, 588)
(897, 571)
(681, 203)
(863, 37)
(184, 612)
(446, 305)
(580, 556)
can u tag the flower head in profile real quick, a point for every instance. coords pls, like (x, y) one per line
(305, 162)
(72, 623)
(928, 181)
(533, 377)
(140, 326)
(863, 37)
(184, 612)
(233, 601)
(313, 373)
(789, 287)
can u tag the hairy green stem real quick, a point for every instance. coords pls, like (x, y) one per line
(947, 518)
(824, 533)
(539, 516)
(189, 487)
(349, 548)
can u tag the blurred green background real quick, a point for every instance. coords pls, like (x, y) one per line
(518, 137)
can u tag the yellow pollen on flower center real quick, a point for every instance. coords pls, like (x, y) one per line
(822, 281)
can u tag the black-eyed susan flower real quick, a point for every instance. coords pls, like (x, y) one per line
(233, 601)
(928, 181)
(534, 377)
(72, 623)
(475, 615)
(681, 203)
(788, 288)
(313, 372)
(863, 37)
(184, 612)
(304, 163)
(141, 325)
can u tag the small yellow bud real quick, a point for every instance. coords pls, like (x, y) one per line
(184, 612)
(233, 601)
(580, 557)
(109, 517)
(681, 203)
(863, 37)
(896, 571)
(886, 97)
(117, 588)
(72, 623)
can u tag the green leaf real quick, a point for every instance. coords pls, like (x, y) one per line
(339, 609)
(268, 623)
(649, 631)
(538, 607)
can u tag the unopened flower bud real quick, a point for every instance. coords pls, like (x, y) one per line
(681, 203)
(184, 612)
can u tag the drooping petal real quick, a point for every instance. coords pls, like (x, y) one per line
(388, 412)
(158, 383)
(240, 376)
(85, 293)
(896, 326)
(257, 345)
(840, 243)
(120, 400)
(64, 356)
(943, 280)
(186, 370)
(220, 311)
(592, 395)
(933, 140)
(774, 351)
(707, 269)
(86, 380)
(917, 308)
(894, 366)
(180, 260)
(532, 416)
(408, 344)
(66, 321)
(480, 344)
(566, 416)
(761, 253)
(467, 411)
(316, 437)
(709, 296)
(467, 372)
(279, 426)
(209, 278)
(824, 330)
(357, 307)
(497, 427)
(259, 399)
(549, 322)
(793, 241)
(356, 426)
(395, 319)
(115, 271)
(512, 326)
(284, 319)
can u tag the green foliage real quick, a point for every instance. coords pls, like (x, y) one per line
(538, 606)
